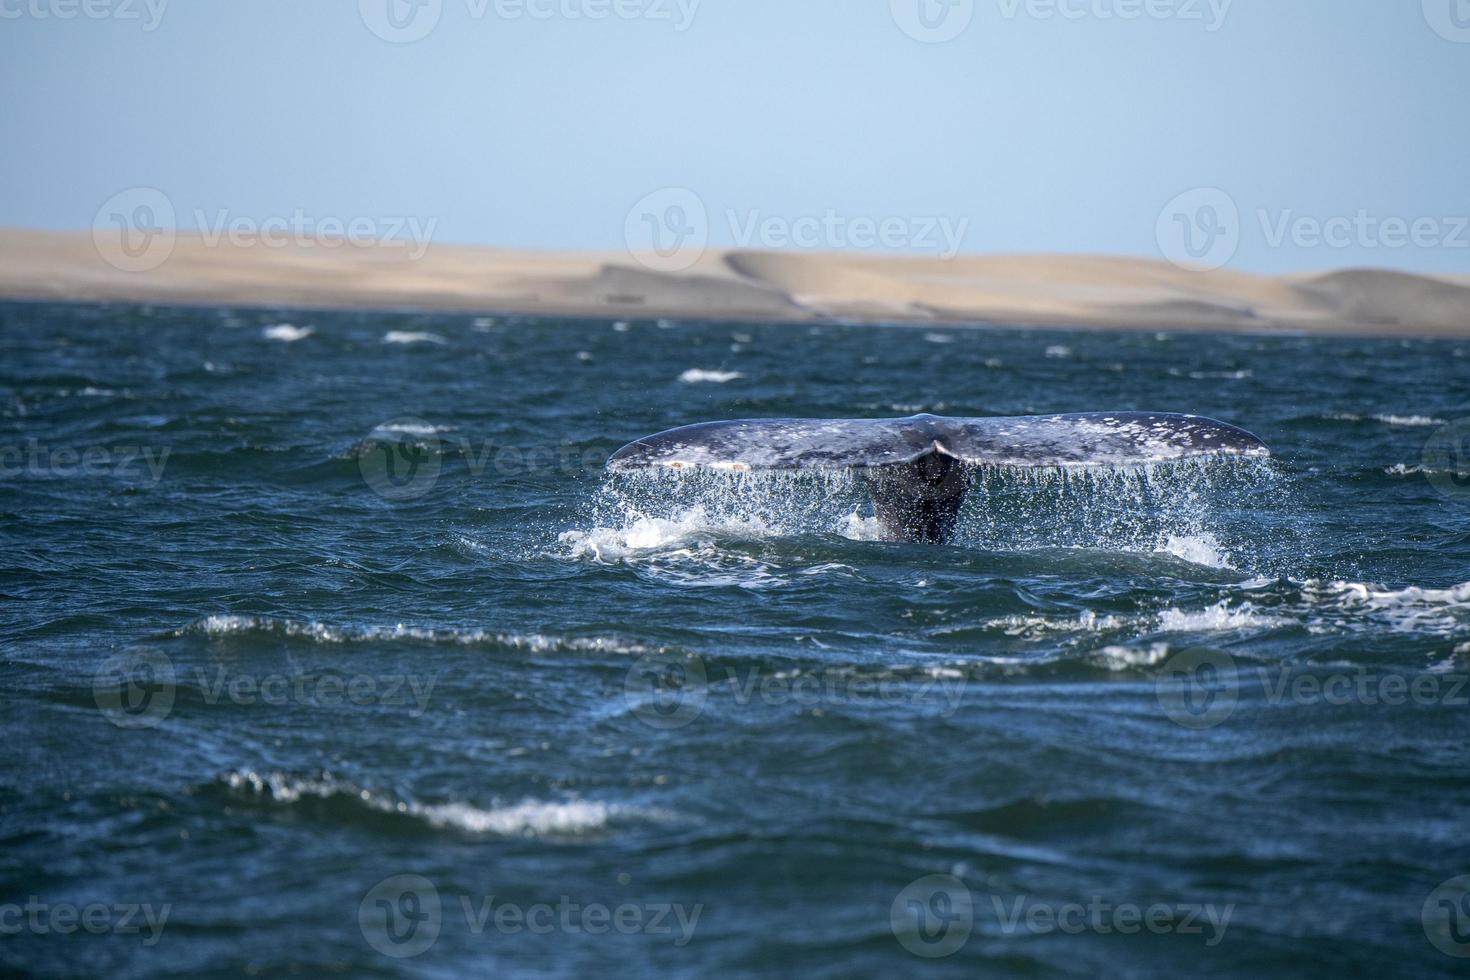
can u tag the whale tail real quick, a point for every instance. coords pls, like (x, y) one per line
(918, 469)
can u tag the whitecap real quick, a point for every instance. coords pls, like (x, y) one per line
(318, 632)
(412, 337)
(287, 333)
(696, 376)
(1221, 617)
(528, 818)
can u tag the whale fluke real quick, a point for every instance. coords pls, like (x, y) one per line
(916, 467)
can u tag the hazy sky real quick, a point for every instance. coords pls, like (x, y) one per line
(1012, 125)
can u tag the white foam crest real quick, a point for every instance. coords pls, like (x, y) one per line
(414, 428)
(412, 337)
(288, 333)
(1030, 627)
(1412, 421)
(695, 376)
(1128, 657)
(1219, 618)
(1361, 605)
(528, 818)
(231, 625)
(646, 535)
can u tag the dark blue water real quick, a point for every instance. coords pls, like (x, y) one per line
(339, 654)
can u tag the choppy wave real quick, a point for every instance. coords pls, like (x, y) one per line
(527, 818)
(317, 632)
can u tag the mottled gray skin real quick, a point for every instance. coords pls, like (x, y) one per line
(915, 467)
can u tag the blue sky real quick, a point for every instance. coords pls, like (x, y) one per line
(1040, 125)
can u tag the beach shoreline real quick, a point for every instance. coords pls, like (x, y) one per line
(1055, 291)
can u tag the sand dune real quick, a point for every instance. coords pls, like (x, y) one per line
(1062, 290)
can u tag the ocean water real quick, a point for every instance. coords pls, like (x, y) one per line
(327, 647)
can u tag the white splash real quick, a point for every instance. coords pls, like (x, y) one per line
(287, 333)
(412, 337)
(695, 376)
(1219, 618)
(1197, 549)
